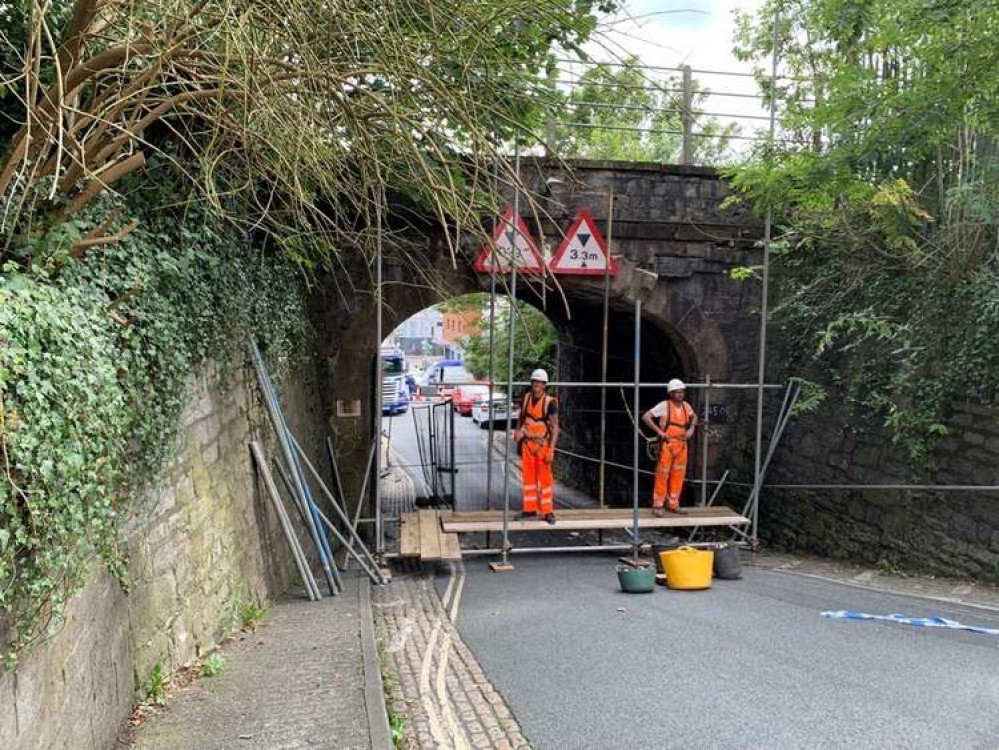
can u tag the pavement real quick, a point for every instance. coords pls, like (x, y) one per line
(308, 677)
(749, 663)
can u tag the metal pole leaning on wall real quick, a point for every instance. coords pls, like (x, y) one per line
(368, 471)
(637, 406)
(764, 293)
(301, 562)
(277, 422)
(340, 514)
(309, 506)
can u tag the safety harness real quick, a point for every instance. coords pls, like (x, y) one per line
(665, 421)
(530, 419)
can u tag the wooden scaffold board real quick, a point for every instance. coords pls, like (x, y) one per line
(592, 519)
(422, 537)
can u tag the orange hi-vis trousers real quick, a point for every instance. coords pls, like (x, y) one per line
(670, 472)
(536, 473)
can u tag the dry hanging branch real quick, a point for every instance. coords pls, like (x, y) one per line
(293, 118)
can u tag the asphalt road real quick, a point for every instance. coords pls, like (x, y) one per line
(471, 454)
(747, 664)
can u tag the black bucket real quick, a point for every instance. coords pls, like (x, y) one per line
(728, 564)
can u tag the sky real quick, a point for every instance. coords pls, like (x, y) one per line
(698, 33)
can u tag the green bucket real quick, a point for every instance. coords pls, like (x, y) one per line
(636, 580)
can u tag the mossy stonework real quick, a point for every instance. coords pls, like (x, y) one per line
(203, 540)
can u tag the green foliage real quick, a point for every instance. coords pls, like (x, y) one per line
(398, 726)
(390, 685)
(621, 112)
(885, 198)
(95, 364)
(214, 665)
(293, 118)
(533, 342)
(156, 686)
(250, 615)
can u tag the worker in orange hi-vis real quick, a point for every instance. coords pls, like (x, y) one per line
(674, 421)
(537, 435)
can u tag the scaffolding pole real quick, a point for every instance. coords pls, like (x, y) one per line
(658, 386)
(704, 441)
(379, 525)
(514, 229)
(492, 379)
(603, 353)
(635, 439)
(764, 294)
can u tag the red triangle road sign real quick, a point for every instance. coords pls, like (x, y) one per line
(583, 250)
(510, 244)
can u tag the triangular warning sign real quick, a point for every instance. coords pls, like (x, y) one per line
(583, 250)
(510, 244)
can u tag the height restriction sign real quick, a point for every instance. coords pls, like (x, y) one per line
(510, 243)
(583, 251)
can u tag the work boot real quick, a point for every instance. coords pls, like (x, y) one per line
(659, 512)
(525, 515)
(550, 519)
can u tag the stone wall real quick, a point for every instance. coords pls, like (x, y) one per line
(201, 543)
(945, 533)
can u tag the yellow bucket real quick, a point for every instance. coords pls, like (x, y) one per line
(688, 568)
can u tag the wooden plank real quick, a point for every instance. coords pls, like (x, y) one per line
(450, 547)
(430, 530)
(448, 517)
(409, 537)
(566, 521)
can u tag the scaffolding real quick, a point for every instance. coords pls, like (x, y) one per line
(746, 531)
(644, 282)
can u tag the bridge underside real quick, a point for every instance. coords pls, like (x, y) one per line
(676, 246)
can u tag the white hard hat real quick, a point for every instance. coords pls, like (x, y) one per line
(540, 374)
(675, 385)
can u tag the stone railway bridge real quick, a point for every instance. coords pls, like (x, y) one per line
(697, 320)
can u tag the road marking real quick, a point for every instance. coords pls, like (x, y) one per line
(451, 734)
(433, 719)
(457, 731)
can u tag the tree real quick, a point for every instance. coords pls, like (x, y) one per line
(151, 139)
(886, 196)
(620, 112)
(533, 342)
(293, 118)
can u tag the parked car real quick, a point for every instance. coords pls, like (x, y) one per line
(493, 409)
(465, 396)
(440, 378)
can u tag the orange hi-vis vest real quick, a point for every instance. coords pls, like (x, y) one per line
(536, 426)
(676, 421)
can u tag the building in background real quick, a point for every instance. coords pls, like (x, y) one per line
(421, 334)
(458, 325)
(431, 334)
